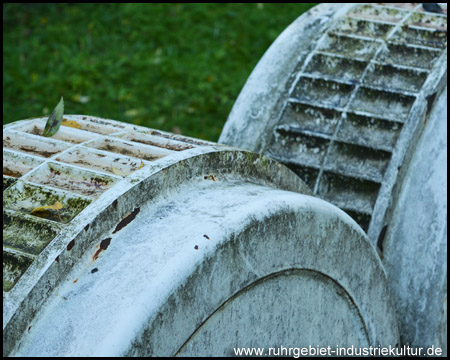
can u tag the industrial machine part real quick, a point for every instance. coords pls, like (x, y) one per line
(342, 98)
(123, 240)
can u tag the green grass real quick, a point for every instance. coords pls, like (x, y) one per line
(174, 67)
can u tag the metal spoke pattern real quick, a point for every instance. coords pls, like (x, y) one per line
(350, 99)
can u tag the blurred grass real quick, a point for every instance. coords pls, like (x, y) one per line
(174, 67)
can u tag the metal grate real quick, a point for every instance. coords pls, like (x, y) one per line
(351, 97)
(71, 169)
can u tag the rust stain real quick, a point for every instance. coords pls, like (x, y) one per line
(103, 246)
(196, 247)
(96, 255)
(105, 243)
(12, 173)
(129, 218)
(70, 245)
(206, 236)
(75, 281)
(34, 150)
(175, 147)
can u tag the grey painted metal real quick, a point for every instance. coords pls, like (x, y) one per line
(151, 255)
(346, 111)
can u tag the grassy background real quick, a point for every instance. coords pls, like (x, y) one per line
(174, 67)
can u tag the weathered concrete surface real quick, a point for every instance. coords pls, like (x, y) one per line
(287, 313)
(361, 91)
(153, 260)
(39, 251)
(340, 97)
(213, 265)
(416, 239)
